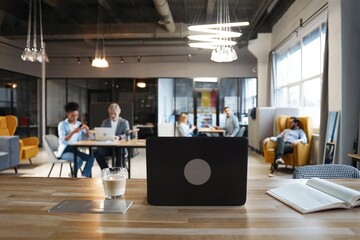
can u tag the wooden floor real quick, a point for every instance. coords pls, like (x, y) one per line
(257, 168)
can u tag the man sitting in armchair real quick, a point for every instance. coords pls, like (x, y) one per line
(285, 142)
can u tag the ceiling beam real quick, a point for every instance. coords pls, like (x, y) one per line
(119, 31)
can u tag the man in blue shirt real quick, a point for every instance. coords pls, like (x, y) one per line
(285, 142)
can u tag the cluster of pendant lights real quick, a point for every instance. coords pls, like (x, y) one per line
(100, 59)
(31, 53)
(219, 36)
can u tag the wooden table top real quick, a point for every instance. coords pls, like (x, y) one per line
(211, 130)
(141, 143)
(354, 155)
(24, 203)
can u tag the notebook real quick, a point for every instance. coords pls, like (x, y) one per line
(196, 171)
(104, 134)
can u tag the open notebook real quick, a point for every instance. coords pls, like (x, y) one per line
(316, 195)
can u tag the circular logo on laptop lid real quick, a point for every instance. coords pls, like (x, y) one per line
(197, 171)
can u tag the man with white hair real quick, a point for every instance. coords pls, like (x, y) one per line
(120, 126)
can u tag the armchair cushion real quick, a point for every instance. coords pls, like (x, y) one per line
(29, 146)
(301, 154)
(9, 152)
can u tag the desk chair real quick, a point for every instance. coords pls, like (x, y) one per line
(241, 132)
(51, 143)
(326, 171)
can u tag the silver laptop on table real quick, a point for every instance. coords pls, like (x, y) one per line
(104, 134)
(197, 171)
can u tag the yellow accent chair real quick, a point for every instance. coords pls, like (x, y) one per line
(29, 146)
(301, 154)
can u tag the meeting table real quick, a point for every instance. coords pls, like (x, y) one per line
(212, 131)
(124, 144)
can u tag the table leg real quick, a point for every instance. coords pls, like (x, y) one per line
(129, 161)
(123, 164)
(75, 162)
(113, 156)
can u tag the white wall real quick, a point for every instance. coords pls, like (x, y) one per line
(350, 76)
(10, 59)
(335, 56)
(152, 70)
(261, 47)
(300, 9)
(165, 99)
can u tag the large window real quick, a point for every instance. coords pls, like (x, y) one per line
(298, 75)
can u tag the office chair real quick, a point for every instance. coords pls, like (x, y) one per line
(51, 143)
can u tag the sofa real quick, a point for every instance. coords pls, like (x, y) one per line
(9, 152)
(29, 146)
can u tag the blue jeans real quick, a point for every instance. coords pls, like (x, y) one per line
(68, 155)
(282, 148)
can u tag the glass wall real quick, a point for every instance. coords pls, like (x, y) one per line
(240, 94)
(204, 101)
(87, 91)
(184, 98)
(19, 97)
(206, 104)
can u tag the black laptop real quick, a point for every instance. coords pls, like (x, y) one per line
(196, 171)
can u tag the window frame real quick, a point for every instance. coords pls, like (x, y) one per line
(282, 54)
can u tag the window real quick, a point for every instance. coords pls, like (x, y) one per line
(298, 65)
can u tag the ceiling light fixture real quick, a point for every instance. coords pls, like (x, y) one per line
(100, 60)
(205, 79)
(189, 57)
(33, 54)
(10, 85)
(217, 36)
(141, 84)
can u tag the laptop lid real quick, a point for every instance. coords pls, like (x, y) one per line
(104, 134)
(197, 171)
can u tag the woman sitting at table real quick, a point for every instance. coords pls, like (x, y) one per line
(183, 129)
(70, 131)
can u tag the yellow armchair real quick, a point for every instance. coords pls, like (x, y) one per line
(301, 154)
(29, 146)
